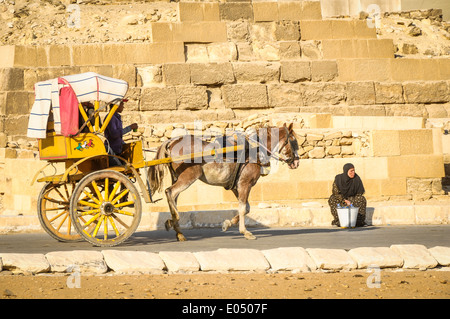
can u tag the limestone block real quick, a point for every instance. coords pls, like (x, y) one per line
(426, 92)
(317, 152)
(290, 50)
(295, 71)
(441, 254)
(222, 52)
(316, 29)
(416, 142)
(25, 263)
(266, 51)
(156, 98)
(59, 55)
(418, 166)
(162, 32)
(245, 96)
(364, 69)
(290, 10)
(84, 260)
(211, 73)
(194, 11)
(18, 55)
(393, 186)
(261, 72)
(362, 31)
(357, 48)
(232, 260)
(15, 103)
(114, 53)
(332, 259)
(430, 215)
(415, 256)
(191, 97)
(388, 93)
(380, 48)
(289, 259)
(382, 257)
(360, 93)
(313, 189)
(132, 262)
(86, 54)
(285, 95)
(176, 73)
(311, 50)
(235, 11)
(287, 31)
(265, 11)
(385, 143)
(11, 79)
(321, 93)
(324, 71)
(318, 120)
(311, 10)
(179, 261)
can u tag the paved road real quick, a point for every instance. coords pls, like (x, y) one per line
(212, 238)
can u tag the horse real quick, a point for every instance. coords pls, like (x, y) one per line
(236, 171)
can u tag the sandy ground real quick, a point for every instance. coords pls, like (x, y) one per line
(361, 284)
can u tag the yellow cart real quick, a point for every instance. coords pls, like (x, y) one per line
(92, 200)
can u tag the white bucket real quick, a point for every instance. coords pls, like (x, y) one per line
(347, 216)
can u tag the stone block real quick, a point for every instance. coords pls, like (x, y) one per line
(393, 186)
(312, 189)
(162, 31)
(426, 92)
(114, 53)
(25, 263)
(289, 259)
(316, 29)
(87, 54)
(158, 99)
(11, 79)
(362, 31)
(221, 52)
(235, 11)
(232, 260)
(265, 11)
(385, 143)
(324, 71)
(289, 10)
(179, 261)
(83, 260)
(364, 69)
(126, 72)
(287, 31)
(245, 96)
(176, 74)
(133, 262)
(15, 103)
(261, 72)
(290, 50)
(415, 142)
(406, 70)
(380, 48)
(323, 93)
(59, 55)
(416, 166)
(441, 254)
(444, 68)
(388, 93)
(360, 93)
(332, 259)
(285, 95)
(17, 56)
(194, 11)
(295, 71)
(415, 256)
(191, 97)
(382, 257)
(311, 10)
(16, 125)
(211, 73)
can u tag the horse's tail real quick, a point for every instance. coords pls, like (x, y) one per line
(156, 172)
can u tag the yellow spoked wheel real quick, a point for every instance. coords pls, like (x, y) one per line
(54, 212)
(105, 208)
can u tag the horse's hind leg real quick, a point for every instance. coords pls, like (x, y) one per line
(185, 179)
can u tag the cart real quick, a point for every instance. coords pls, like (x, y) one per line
(91, 200)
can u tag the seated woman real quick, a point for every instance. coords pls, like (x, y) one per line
(348, 189)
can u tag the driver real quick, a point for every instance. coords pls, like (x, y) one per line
(114, 134)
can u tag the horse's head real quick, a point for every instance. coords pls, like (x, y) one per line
(289, 146)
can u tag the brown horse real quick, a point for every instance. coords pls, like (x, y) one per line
(238, 170)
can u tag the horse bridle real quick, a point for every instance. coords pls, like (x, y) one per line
(291, 145)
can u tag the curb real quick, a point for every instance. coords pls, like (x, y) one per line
(294, 259)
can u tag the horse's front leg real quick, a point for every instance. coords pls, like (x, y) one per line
(242, 212)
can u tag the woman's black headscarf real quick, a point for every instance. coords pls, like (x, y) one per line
(349, 186)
